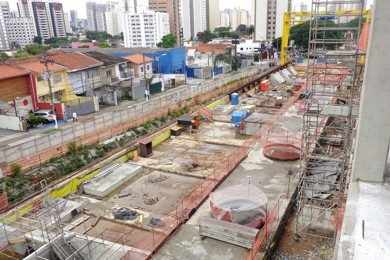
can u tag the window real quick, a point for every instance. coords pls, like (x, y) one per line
(148, 67)
(141, 69)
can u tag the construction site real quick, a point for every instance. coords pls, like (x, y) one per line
(263, 171)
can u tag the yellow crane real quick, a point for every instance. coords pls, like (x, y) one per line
(293, 18)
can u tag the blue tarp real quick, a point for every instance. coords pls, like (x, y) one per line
(168, 61)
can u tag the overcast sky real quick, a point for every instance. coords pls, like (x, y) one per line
(79, 5)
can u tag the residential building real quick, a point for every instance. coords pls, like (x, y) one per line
(58, 77)
(173, 9)
(21, 31)
(25, 8)
(245, 17)
(175, 19)
(113, 17)
(235, 18)
(213, 19)
(68, 27)
(83, 71)
(194, 18)
(224, 19)
(96, 17)
(140, 65)
(48, 17)
(269, 19)
(73, 19)
(144, 29)
(23, 89)
(134, 6)
(113, 71)
(4, 15)
(159, 5)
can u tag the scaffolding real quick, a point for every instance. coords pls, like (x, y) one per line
(333, 83)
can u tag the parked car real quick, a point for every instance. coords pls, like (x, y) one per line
(46, 114)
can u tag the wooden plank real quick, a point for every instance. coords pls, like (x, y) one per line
(227, 232)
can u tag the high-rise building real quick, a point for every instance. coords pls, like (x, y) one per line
(134, 6)
(225, 18)
(245, 17)
(159, 5)
(113, 18)
(172, 8)
(175, 19)
(194, 18)
(96, 17)
(213, 18)
(144, 29)
(4, 15)
(47, 16)
(73, 19)
(21, 31)
(269, 19)
(68, 27)
(25, 8)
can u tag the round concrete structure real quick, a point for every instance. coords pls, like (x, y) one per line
(282, 151)
(241, 204)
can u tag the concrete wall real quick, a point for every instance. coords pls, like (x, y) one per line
(11, 122)
(102, 126)
(373, 134)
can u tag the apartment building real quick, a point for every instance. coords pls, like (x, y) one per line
(194, 18)
(4, 14)
(269, 19)
(96, 17)
(21, 31)
(144, 29)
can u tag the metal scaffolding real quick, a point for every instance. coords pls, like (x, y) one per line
(331, 105)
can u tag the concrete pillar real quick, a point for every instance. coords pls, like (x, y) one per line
(373, 133)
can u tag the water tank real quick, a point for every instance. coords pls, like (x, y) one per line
(235, 99)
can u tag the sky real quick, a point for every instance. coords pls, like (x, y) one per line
(79, 5)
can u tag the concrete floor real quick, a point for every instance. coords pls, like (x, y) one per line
(273, 177)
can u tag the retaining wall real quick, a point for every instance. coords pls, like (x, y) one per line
(42, 147)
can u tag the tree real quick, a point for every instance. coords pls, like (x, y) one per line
(35, 49)
(38, 39)
(3, 56)
(167, 41)
(104, 45)
(222, 32)
(242, 29)
(98, 36)
(205, 36)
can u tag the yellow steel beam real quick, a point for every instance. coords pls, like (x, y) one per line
(293, 18)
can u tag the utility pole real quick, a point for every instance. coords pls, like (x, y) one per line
(45, 59)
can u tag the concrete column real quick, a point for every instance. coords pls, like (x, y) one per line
(373, 133)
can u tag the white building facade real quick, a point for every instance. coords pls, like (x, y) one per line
(194, 18)
(21, 31)
(4, 15)
(144, 29)
(269, 19)
(96, 17)
(213, 18)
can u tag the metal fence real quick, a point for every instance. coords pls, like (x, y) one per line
(33, 145)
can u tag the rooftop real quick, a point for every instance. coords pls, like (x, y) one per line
(138, 59)
(8, 71)
(75, 61)
(34, 65)
(106, 59)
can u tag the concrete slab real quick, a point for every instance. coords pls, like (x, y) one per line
(110, 179)
(156, 192)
